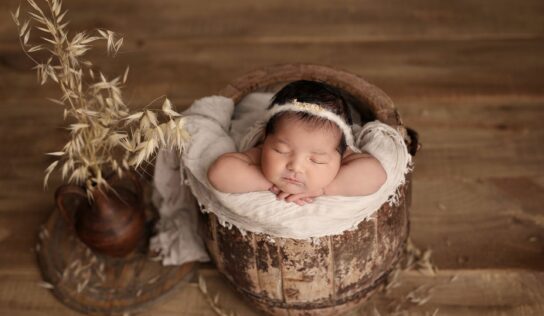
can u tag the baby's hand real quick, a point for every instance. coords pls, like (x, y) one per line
(300, 198)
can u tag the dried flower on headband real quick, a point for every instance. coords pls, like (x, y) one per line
(105, 137)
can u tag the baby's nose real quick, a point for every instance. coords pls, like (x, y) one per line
(295, 165)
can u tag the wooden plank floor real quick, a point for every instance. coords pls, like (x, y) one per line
(466, 75)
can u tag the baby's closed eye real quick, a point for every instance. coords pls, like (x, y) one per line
(319, 162)
(281, 151)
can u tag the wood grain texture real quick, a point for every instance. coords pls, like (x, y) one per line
(344, 20)
(323, 276)
(473, 292)
(453, 292)
(95, 284)
(467, 75)
(403, 69)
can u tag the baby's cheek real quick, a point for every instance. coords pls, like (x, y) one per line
(265, 171)
(324, 177)
(269, 170)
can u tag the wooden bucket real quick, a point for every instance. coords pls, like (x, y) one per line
(283, 276)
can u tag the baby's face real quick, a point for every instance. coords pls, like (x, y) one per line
(299, 157)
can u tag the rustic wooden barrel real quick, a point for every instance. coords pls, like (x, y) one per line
(332, 274)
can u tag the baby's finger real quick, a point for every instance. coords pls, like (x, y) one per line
(300, 202)
(282, 195)
(294, 197)
(274, 189)
(308, 200)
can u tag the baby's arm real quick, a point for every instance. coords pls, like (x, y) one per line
(238, 172)
(359, 174)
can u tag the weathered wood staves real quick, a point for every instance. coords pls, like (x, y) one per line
(326, 275)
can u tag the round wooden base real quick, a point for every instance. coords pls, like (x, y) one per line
(100, 285)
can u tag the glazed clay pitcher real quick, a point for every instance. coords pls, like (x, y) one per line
(113, 223)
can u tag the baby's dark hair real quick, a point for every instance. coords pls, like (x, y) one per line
(319, 93)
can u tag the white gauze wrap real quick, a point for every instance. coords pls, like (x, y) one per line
(261, 212)
(215, 131)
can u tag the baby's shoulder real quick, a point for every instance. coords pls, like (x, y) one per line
(350, 156)
(365, 161)
(371, 166)
(253, 154)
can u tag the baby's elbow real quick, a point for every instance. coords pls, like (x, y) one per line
(381, 175)
(378, 175)
(374, 178)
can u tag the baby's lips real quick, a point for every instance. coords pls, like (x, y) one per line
(293, 181)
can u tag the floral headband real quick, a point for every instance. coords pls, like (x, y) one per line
(316, 110)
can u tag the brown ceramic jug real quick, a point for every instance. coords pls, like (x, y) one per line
(113, 223)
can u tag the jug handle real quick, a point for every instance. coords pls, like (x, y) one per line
(133, 177)
(61, 193)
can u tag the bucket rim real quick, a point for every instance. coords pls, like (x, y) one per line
(355, 85)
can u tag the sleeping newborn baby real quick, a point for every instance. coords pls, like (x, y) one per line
(307, 151)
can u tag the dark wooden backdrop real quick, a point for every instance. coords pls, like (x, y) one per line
(467, 75)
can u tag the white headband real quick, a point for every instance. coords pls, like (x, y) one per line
(316, 110)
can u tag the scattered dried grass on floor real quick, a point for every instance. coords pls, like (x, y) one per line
(414, 259)
(213, 299)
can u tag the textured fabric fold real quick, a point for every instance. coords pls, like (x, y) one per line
(208, 122)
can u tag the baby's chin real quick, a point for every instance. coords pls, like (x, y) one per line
(291, 188)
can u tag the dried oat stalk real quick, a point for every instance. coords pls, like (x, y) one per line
(105, 136)
(213, 302)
